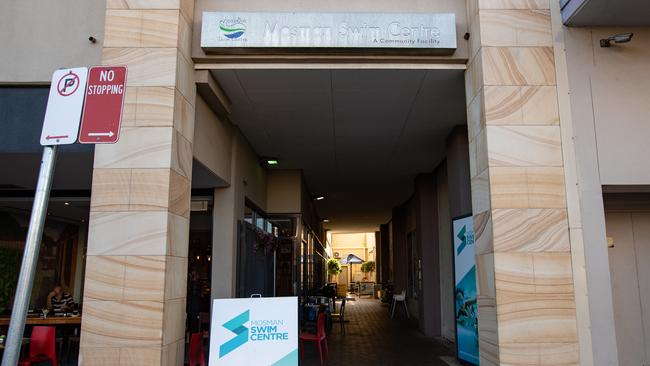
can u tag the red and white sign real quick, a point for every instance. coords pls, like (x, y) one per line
(102, 113)
(63, 112)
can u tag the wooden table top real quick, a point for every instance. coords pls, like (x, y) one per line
(50, 320)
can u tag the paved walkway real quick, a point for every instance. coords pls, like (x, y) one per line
(373, 338)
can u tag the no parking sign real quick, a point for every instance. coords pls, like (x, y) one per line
(254, 331)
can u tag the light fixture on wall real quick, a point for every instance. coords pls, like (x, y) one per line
(617, 38)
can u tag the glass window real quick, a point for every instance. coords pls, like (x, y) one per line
(249, 214)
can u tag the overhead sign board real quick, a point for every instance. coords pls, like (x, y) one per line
(63, 112)
(465, 290)
(102, 113)
(254, 331)
(433, 31)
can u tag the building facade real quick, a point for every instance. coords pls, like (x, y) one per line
(545, 148)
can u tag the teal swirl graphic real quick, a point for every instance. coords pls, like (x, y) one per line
(232, 31)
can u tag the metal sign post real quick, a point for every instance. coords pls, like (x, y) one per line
(30, 258)
(60, 127)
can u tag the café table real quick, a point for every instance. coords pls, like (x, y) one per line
(50, 320)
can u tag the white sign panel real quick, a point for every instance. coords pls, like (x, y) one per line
(329, 30)
(64, 104)
(254, 331)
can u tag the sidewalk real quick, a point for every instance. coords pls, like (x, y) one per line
(373, 338)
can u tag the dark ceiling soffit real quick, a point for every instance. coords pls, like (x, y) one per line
(570, 8)
(211, 92)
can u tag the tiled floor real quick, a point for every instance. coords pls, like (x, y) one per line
(373, 338)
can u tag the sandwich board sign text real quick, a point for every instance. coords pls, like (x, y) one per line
(254, 331)
(63, 112)
(102, 113)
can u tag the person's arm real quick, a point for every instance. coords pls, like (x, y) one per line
(69, 301)
(48, 302)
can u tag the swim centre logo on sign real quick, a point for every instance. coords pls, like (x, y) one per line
(257, 331)
(232, 28)
(466, 238)
(235, 325)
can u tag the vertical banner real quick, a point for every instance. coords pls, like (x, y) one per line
(465, 290)
(254, 331)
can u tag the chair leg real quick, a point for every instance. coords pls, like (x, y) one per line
(392, 312)
(320, 353)
(408, 316)
(327, 352)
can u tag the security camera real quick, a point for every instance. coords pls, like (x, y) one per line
(618, 38)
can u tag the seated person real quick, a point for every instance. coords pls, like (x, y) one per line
(60, 301)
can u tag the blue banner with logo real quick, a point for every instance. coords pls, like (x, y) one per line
(465, 290)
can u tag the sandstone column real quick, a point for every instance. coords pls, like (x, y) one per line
(526, 301)
(135, 283)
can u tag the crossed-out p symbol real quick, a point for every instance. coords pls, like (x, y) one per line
(68, 84)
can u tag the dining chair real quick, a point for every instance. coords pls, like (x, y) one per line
(319, 338)
(401, 298)
(197, 356)
(339, 317)
(41, 346)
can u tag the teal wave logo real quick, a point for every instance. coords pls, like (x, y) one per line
(235, 325)
(232, 28)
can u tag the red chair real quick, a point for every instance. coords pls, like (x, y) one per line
(41, 346)
(197, 357)
(319, 337)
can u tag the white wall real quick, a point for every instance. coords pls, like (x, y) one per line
(284, 191)
(224, 150)
(212, 141)
(40, 36)
(629, 262)
(614, 84)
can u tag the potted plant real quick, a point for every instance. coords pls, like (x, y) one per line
(333, 268)
(368, 268)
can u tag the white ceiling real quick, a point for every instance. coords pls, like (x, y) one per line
(360, 136)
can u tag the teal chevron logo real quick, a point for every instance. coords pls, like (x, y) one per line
(466, 238)
(235, 325)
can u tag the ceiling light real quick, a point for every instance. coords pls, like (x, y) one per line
(326, 220)
(272, 161)
(66, 203)
(319, 198)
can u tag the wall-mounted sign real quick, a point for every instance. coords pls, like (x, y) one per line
(465, 289)
(102, 115)
(254, 331)
(63, 112)
(223, 30)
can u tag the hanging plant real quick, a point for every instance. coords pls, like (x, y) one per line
(333, 267)
(368, 267)
(266, 242)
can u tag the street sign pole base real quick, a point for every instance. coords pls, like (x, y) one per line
(30, 257)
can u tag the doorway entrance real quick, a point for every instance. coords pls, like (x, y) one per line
(356, 153)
